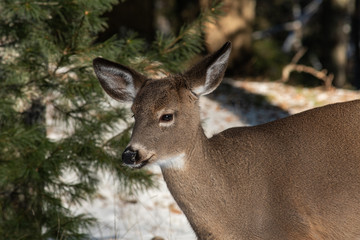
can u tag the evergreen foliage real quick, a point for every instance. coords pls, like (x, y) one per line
(46, 78)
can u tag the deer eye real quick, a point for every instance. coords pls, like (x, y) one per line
(166, 117)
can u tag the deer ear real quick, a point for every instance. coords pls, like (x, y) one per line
(118, 81)
(206, 76)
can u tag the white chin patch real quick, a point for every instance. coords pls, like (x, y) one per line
(172, 162)
(136, 166)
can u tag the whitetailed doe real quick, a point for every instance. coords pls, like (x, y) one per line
(294, 178)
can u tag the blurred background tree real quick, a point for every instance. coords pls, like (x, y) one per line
(47, 84)
(266, 35)
(327, 30)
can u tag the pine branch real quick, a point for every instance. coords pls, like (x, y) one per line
(50, 46)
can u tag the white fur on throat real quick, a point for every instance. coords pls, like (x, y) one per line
(173, 162)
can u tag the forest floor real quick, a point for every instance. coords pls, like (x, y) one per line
(153, 214)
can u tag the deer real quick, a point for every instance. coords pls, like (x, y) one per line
(293, 178)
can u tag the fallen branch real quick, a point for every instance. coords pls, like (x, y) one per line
(322, 75)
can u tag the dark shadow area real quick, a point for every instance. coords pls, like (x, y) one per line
(126, 17)
(253, 109)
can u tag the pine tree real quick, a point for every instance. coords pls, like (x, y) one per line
(46, 52)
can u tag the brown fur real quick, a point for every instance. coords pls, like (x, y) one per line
(295, 178)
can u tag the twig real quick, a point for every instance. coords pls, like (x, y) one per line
(299, 55)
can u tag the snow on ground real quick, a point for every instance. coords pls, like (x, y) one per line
(154, 214)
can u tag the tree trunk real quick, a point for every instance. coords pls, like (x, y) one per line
(135, 15)
(356, 41)
(236, 26)
(332, 38)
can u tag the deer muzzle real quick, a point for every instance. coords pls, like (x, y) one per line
(129, 156)
(132, 158)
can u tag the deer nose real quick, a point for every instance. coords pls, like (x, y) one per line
(129, 156)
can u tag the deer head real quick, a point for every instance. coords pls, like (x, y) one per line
(166, 110)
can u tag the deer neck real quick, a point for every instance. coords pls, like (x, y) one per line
(190, 186)
(192, 161)
(183, 161)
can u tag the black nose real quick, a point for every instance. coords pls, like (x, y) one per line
(129, 156)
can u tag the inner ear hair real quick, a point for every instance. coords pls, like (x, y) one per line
(119, 82)
(206, 75)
